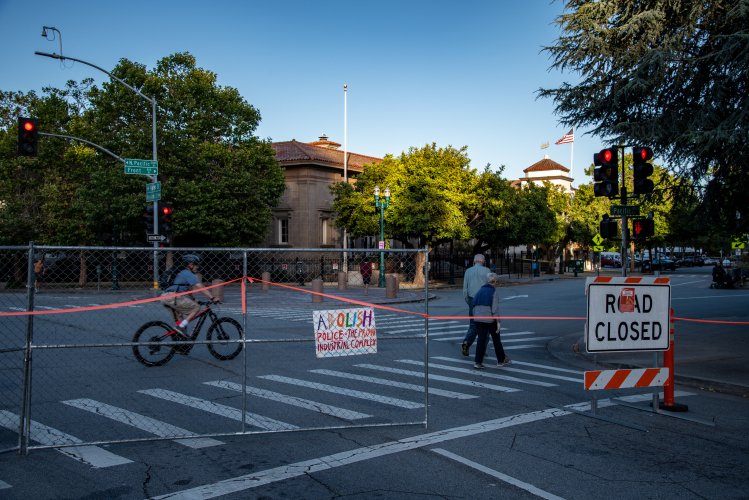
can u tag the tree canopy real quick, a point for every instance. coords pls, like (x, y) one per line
(221, 179)
(669, 74)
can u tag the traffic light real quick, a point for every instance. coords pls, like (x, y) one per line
(642, 170)
(642, 228)
(607, 173)
(28, 137)
(149, 218)
(609, 228)
(165, 219)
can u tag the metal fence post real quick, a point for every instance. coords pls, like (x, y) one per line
(23, 424)
(244, 340)
(426, 338)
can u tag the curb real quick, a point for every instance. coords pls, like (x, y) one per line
(559, 351)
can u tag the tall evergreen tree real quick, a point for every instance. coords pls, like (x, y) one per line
(669, 74)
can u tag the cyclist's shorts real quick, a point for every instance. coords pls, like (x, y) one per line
(183, 304)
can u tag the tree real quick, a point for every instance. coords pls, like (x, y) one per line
(669, 75)
(222, 180)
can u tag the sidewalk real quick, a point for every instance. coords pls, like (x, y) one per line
(708, 356)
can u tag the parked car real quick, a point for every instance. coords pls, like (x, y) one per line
(610, 260)
(664, 264)
(685, 262)
(698, 261)
(708, 260)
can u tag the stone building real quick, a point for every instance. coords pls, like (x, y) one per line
(547, 170)
(303, 218)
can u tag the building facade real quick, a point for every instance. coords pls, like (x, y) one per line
(304, 218)
(547, 170)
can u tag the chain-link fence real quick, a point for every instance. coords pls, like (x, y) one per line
(313, 339)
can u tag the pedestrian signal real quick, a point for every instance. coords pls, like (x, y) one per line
(642, 228)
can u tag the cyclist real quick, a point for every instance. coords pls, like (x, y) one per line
(183, 307)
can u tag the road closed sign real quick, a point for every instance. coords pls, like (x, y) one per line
(628, 317)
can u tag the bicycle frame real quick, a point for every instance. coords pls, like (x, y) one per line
(201, 318)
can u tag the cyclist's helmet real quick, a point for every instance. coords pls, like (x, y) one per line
(190, 259)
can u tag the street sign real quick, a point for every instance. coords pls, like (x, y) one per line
(598, 248)
(628, 210)
(156, 237)
(597, 239)
(382, 245)
(738, 242)
(628, 315)
(153, 191)
(142, 167)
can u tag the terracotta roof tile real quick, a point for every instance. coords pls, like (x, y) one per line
(298, 151)
(546, 164)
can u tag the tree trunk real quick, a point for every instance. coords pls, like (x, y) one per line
(420, 264)
(82, 277)
(17, 268)
(631, 256)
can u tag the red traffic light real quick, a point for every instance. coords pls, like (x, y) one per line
(642, 154)
(167, 210)
(607, 155)
(28, 126)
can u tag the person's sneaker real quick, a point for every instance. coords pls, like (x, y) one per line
(507, 360)
(180, 331)
(479, 367)
(465, 349)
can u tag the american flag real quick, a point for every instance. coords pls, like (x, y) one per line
(568, 137)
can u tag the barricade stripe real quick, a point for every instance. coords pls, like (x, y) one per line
(633, 280)
(633, 377)
(647, 378)
(617, 379)
(590, 378)
(602, 279)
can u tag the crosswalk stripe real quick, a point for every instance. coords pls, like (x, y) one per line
(392, 383)
(432, 376)
(219, 409)
(523, 363)
(431, 328)
(346, 392)
(92, 455)
(479, 373)
(517, 370)
(4, 485)
(525, 339)
(148, 424)
(528, 346)
(291, 400)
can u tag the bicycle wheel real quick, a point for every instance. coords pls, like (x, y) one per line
(225, 329)
(161, 347)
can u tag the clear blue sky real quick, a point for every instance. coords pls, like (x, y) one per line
(459, 73)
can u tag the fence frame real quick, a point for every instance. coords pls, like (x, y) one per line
(29, 347)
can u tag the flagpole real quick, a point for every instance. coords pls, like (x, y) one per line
(572, 154)
(345, 179)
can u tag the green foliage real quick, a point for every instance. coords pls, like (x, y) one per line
(222, 180)
(669, 75)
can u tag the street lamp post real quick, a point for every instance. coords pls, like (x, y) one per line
(154, 178)
(382, 205)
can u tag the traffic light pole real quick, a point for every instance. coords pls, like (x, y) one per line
(624, 221)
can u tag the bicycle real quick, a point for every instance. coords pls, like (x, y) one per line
(163, 341)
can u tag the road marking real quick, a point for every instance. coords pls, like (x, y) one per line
(511, 347)
(514, 297)
(452, 332)
(523, 363)
(478, 373)
(518, 370)
(421, 329)
(148, 424)
(526, 339)
(292, 400)
(92, 455)
(516, 333)
(392, 383)
(253, 480)
(502, 477)
(460, 381)
(346, 392)
(688, 283)
(219, 409)
(726, 296)
(4, 485)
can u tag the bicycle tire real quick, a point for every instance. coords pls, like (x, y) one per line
(225, 332)
(154, 331)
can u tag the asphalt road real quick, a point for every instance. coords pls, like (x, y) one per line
(490, 434)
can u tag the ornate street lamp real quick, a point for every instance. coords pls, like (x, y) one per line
(382, 205)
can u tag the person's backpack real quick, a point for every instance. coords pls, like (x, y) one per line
(167, 279)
